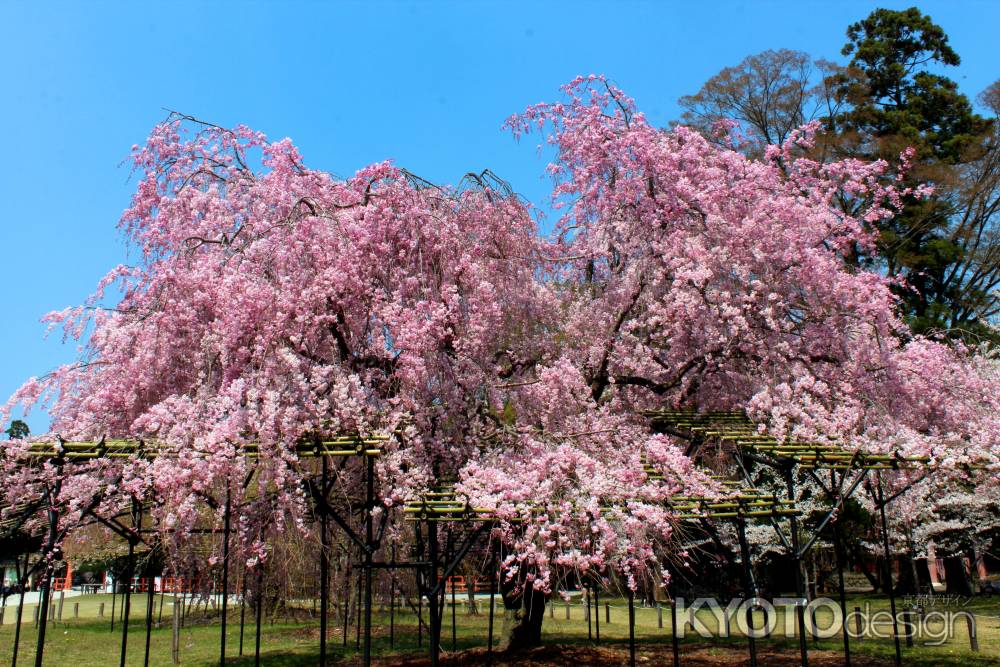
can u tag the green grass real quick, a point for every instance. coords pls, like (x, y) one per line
(88, 641)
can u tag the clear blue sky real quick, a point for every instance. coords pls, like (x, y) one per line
(425, 84)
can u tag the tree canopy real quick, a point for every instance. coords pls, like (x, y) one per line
(274, 303)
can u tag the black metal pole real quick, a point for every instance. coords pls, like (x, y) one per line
(150, 599)
(838, 547)
(126, 607)
(43, 614)
(23, 581)
(631, 628)
(392, 601)
(369, 551)
(493, 591)
(419, 541)
(243, 608)
(159, 614)
(597, 616)
(324, 567)
(347, 595)
(674, 640)
(114, 591)
(432, 599)
(800, 609)
(454, 638)
(420, 615)
(49, 556)
(888, 570)
(357, 608)
(747, 587)
(260, 607)
(225, 574)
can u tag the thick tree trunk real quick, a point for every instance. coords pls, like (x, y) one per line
(956, 577)
(907, 583)
(862, 564)
(471, 575)
(923, 573)
(527, 632)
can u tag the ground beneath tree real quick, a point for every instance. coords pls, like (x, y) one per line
(608, 656)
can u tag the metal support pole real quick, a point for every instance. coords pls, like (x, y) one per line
(243, 608)
(324, 567)
(674, 640)
(838, 547)
(419, 542)
(260, 607)
(126, 607)
(225, 575)
(150, 598)
(747, 587)
(49, 556)
(493, 591)
(347, 595)
(369, 551)
(888, 570)
(631, 628)
(597, 617)
(357, 609)
(454, 634)
(159, 615)
(23, 579)
(392, 605)
(392, 601)
(114, 595)
(432, 598)
(800, 609)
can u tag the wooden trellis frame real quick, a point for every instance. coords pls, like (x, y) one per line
(63, 452)
(752, 445)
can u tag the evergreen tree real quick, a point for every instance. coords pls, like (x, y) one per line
(897, 101)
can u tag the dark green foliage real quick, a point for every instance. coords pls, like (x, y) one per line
(18, 430)
(896, 101)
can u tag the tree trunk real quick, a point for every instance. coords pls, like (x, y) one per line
(859, 559)
(923, 573)
(973, 567)
(527, 632)
(956, 577)
(471, 575)
(907, 583)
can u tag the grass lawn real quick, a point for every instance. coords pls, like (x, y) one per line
(87, 641)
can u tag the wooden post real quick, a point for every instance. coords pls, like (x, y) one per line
(567, 611)
(62, 601)
(76, 610)
(100, 610)
(659, 615)
(607, 613)
(857, 623)
(908, 627)
(970, 622)
(175, 644)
